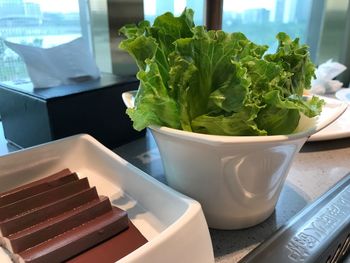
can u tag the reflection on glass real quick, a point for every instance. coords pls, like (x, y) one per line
(41, 23)
(154, 8)
(260, 21)
(334, 30)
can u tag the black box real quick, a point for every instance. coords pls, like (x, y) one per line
(33, 116)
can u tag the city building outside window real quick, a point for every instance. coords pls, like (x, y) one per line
(45, 23)
(40, 23)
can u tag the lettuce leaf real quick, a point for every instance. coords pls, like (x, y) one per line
(216, 82)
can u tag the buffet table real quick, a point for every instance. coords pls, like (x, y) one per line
(317, 167)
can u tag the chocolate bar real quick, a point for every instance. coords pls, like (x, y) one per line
(39, 214)
(36, 187)
(42, 198)
(76, 240)
(61, 218)
(48, 229)
(114, 248)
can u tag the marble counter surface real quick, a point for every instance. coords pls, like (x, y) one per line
(317, 167)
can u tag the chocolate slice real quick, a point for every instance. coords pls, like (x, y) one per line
(39, 214)
(114, 248)
(42, 198)
(58, 217)
(48, 229)
(36, 187)
(76, 240)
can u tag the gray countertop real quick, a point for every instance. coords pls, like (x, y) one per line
(317, 167)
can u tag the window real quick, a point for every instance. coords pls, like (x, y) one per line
(41, 23)
(154, 8)
(122, 12)
(332, 39)
(321, 24)
(260, 21)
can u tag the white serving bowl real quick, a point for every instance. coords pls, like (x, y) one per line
(237, 179)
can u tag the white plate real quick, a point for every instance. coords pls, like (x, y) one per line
(337, 130)
(343, 94)
(341, 127)
(173, 223)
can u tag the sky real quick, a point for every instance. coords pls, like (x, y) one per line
(229, 5)
(64, 6)
(150, 5)
(242, 5)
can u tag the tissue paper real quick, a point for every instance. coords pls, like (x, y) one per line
(325, 74)
(64, 64)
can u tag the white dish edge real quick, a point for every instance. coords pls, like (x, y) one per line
(173, 223)
(341, 127)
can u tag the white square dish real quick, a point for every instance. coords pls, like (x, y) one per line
(173, 224)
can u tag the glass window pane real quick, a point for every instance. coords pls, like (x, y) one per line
(322, 24)
(154, 8)
(260, 21)
(122, 63)
(42, 23)
(120, 13)
(334, 26)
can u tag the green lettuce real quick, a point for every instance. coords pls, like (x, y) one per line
(215, 82)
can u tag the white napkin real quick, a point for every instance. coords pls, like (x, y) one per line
(68, 63)
(325, 74)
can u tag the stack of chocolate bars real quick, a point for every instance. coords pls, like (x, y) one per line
(59, 218)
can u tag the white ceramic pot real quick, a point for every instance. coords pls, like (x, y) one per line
(237, 179)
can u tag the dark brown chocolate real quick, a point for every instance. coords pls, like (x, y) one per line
(114, 248)
(52, 227)
(37, 186)
(43, 198)
(37, 215)
(76, 240)
(57, 217)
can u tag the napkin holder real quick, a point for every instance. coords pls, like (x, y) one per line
(33, 116)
